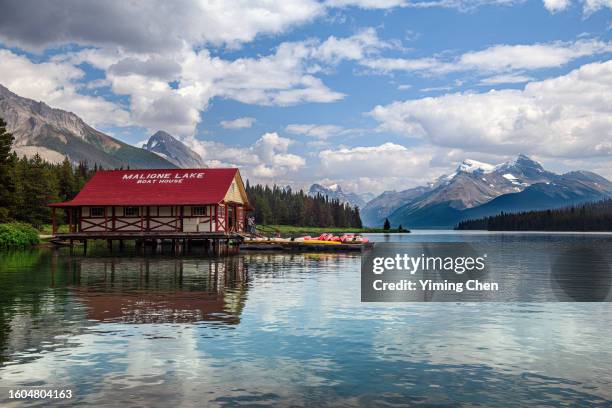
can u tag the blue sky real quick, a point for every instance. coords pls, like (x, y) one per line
(371, 95)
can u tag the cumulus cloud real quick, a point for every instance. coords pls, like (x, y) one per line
(588, 6)
(502, 58)
(377, 168)
(283, 78)
(566, 116)
(55, 84)
(356, 47)
(147, 26)
(279, 79)
(556, 5)
(313, 130)
(268, 157)
(238, 123)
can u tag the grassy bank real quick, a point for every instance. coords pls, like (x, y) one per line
(292, 230)
(47, 229)
(17, 235)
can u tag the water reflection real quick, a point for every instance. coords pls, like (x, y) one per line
(153, 290)
(287, 330)
(47, 297)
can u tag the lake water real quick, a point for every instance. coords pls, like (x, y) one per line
(288, 330)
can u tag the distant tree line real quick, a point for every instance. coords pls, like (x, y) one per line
(28, 185)
(595, 216)
(276, 205)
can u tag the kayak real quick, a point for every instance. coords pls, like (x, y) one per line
(320, 241)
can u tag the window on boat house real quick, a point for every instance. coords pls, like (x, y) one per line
(131, 212)
(198, 210)
(96, 212)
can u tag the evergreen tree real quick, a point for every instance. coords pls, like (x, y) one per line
(38, 189)
(595, 216)
(68, 186)
(282, 205)
(7, 183)
(387, 225)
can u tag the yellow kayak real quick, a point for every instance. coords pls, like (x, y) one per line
(318, 241)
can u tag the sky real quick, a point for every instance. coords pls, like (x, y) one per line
(373, 95)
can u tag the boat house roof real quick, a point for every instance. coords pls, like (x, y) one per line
(157, 187)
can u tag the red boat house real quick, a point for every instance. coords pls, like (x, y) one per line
(182, 203)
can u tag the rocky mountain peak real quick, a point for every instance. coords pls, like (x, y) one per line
(173, 150)
(474, 166)
(55, 134)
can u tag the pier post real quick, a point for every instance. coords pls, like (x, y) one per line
(85, 247)
(109, 244)
(121, 245)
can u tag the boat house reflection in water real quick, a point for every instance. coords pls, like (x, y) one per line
(177, 290)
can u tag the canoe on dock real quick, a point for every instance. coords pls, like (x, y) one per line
(311, 245)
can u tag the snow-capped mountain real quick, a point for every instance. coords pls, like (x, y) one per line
(173, 150)
(475, 185)
(334, 191)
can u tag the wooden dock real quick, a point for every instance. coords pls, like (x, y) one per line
(215, 243)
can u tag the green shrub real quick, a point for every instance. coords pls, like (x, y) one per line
(17, 235)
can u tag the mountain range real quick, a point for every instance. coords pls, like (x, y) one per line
(335, 191)
(479, 189)
(55, 134)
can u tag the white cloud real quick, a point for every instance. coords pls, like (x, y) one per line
(589, 6)
(462, 5)
(268, 157)
(313, 130)
(238, 123)
(402, 64)
(566, 116)
(278, 79)
(283, 78)
(55, 83)
(506, 79)
(556, 5)
(500, 58)
(376, 168)
(355, 47)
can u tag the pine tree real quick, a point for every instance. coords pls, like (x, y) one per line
(68, 186)
(387, 225)
(39, 188)
(7, 183)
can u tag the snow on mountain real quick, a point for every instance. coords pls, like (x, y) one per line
(334, 191)
(473, 166)
(472, 184)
